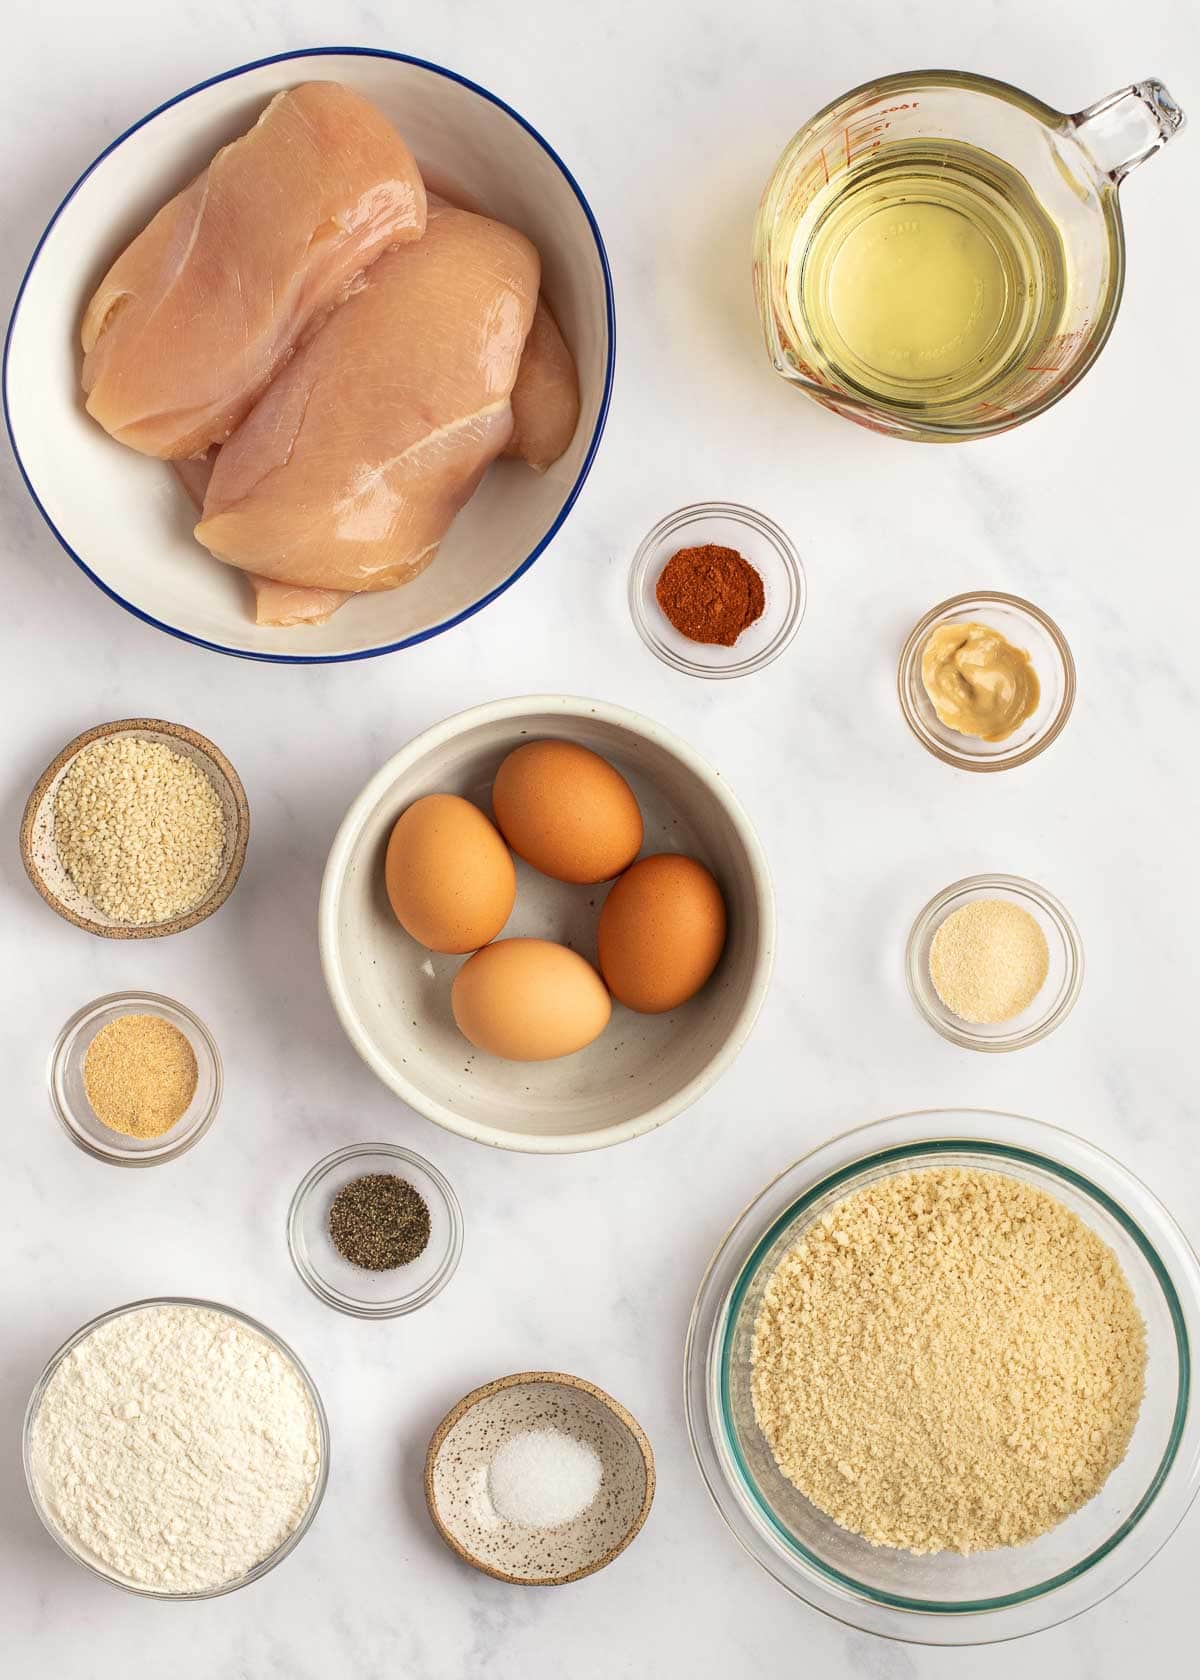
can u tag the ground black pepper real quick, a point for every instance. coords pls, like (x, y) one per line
(379, 1222)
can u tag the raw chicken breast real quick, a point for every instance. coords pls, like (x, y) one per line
(291, 603)
(194, 472)
(274, 603)
(200, 311)
(348, 472)
(545, 399)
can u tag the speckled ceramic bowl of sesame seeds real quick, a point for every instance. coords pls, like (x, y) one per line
(49, 873)
(466, 1442)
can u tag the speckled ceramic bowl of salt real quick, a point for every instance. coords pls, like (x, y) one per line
(466, 1442)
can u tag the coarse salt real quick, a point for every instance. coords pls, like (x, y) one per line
(543, 1478)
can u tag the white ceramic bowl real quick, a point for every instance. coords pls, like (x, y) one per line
(125, 519)
(393, 996)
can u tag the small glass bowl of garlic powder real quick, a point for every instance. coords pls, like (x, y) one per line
(994, 962)
(131, 1051)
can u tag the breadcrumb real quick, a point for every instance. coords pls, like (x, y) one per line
(950, 1360)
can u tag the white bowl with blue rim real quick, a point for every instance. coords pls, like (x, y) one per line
(125, 519)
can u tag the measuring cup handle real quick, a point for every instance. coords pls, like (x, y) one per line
(1128, 127)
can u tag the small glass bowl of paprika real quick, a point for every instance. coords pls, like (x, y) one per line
(716, 590)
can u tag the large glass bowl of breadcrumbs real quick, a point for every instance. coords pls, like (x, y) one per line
(940, 1377)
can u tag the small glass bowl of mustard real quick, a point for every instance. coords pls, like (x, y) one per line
(1024, 627)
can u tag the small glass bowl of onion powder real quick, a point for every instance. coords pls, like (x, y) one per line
(994, 962)
(375, 1230)
(135, 1079)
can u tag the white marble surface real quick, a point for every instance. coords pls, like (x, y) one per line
(672, 115)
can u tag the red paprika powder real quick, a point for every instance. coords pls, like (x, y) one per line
(710, 594)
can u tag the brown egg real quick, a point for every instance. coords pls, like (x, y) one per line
(566, 811)
(661, 932)
(529, 1000)
(449, 875)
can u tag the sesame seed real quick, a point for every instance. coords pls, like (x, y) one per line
(139, 829)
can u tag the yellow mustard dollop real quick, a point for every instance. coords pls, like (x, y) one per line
(977, 682)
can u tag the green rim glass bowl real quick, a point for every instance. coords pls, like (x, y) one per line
(946, 1598)
(392, 996)
(93, 1564)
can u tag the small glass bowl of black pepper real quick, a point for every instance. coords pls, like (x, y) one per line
(390, 1209)
(760, 542)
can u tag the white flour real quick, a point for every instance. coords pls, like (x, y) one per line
(177, 1447)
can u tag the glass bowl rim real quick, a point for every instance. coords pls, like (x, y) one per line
(739, 514)
(285, 1546)
(1017, 886)
(852, 1151)
(116, 1156)
(399, 1305)
(909, 663)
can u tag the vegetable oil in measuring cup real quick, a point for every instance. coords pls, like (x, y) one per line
(925, 276)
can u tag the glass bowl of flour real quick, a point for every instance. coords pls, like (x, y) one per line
(176, 1448)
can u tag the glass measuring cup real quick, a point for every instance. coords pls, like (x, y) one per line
(1012, 333)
